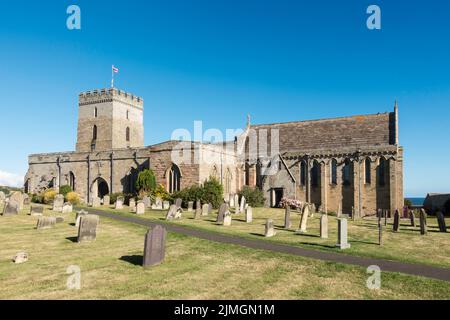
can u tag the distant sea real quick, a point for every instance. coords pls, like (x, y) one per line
(416, 201)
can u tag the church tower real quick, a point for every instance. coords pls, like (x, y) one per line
(109, 119)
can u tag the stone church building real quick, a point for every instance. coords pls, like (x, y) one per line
(355, 163)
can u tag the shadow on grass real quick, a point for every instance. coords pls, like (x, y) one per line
(318, 245)
(73, 239)
(73, 224)
(137, 260)
(257, 234)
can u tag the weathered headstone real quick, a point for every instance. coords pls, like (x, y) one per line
(67, 208)
(242, 207)
(178, 202)
(222, 211)
(396, 220)
(158, 205)
(198, 209)
(249, 214)
(287, 217)
(172, 213)
(87, 230)
(385, 217)
(166, 205)
(20, 257)
(412, 218)
(146, 201)
(236, 208)
(342, 234)
(78, 217)
(227, 220)
(11, 208)
(231, 200)
(269, 229)
(58, 203)
(107, 201)
(304, 220)
(154, 247)
(36, 210)
(140, 207)
(324, 226)
(236, 200)
(45, 223)
(17, 197)
(205, 209)
(132, 205)
(190, 206)
(96, 202)
(423, 222)
(119, 203)
(441, 221)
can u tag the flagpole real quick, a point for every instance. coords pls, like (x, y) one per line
(112, 77)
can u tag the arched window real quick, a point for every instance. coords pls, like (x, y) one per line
(94, 133)
(128, 114)
(367, 169)
(72, 180)
(95, 112)
(173, 179)
(228, 177)
(315, 174)
(346, 172)
(127, 134)
(382, 172)
(333, 176)
(303, 173)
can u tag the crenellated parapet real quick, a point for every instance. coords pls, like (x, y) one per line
(109, 95)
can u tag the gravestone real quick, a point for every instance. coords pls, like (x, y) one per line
(107, 201)
(119, 203)
(36, 210)
(78, 217)
(441, 221)
(154, 247)
(59, 219)
(249, 215)
(147, 202)
(178, 203)
(324, 226)
(166, 205)
(396, 220)
(412, 218)
(11, 208)
(210, 208)
(140, 207)
(205, 209)
(339, 212)
(380, 233)
(236, 200)
(132, 205)
(95, 202)
(304, 220)
(190, 206)
(222, 211)
(20, 257)
(342, 234)
(287, 217)
(17, 197)
(385, 217)
(231, 200)
(423, 222)
(87, 231)
(312, 209)
(45, 223)
(158, 204)
(173, 213)
(227, 220)
(269, 229)
(58, 203)
(236, 208)
(242, 207)
(67, 208)
(198, 209)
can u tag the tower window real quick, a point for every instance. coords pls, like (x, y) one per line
(303, 173)
(346, 172)
(128, 114)
(95, 112)
(94, 133)
(127, 134)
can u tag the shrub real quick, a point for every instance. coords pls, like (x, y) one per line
(160, 192)
(73, 198)
(212, 192)
(253, 196)
(64, 190)
(49, 196)
(408, 203)
(192, 193)
(146, 181)
(37, 198)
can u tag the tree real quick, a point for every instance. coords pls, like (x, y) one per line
(146, 181)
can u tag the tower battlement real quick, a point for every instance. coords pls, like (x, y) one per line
(108, 95)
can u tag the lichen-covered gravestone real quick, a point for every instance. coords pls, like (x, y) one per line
(154, 247)
(11, 208)
(412, 218)
(45, 223)
(324, 226)
(17, 197)
(158, 204)
(287, 217)
(249, 215)
(36, 210)
(269, 229)
(198, 209)
(441, 221)
(87, 231)
(166, 205)
(178, 203)
(423, 222)
(171, 214)
(227, 220)
(342, 234)
(222, 211)
(58, 203)
(231, 200)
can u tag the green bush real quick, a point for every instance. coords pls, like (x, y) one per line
(64, 190)
(408, 203)
(192, 193)
(37, 198)
(126, 197)
(212, 192)
(146, 181)
(253, 196)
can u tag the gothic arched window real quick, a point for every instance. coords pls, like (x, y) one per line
(382, 172)
(333, 171)
(72, 180)
(127, 134)
(173, 179)
(315, 174)
(367, 169)
(346, 172)
(94, 133)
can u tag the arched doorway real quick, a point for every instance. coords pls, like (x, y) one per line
(100, 188)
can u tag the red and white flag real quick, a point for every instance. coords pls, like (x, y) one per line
(115, 70)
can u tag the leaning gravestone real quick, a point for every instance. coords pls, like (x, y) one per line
(222, 211)
(107, 200)
(303, 220)
(147, 202)
(80, 214)
(269, 229)
(154, 247)
(178, 203)
(190, 206)
(158, 204)
(11, 208)
(58, 203)
(140, 207)
(87, 230)
(198, 209)
(205, 209)
(287, 217)
(242, 207)
(95, 202)
(423, 222)
(396, 220)
(166, 205)
(67, 208)
(119, 203)
(342, 234)
(173, 213)
(441, 222)
(412, 218)
(36, 210)
(249, 215)
(45, 223)
(324, 226)
(227, 220)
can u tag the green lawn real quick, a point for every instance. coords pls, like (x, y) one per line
(406, 245)
(193, 269)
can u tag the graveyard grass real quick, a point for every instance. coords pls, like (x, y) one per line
(407, 245)
(193, 268)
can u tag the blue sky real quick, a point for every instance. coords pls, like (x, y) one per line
(217, 61)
